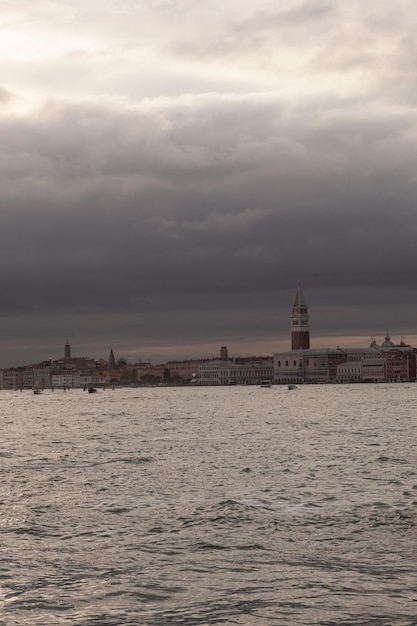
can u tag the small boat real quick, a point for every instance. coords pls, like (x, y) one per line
(266, 384)
(291, 387)
(92, 390)
(37, 392)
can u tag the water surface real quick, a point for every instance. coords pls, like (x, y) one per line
(198, 506)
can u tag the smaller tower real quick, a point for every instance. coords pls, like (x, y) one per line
(112, 360)
(224, 355)
(67, 350)
(300, 322)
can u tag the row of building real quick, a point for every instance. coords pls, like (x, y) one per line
(82, 372)
(386, 362)
(373, 364)
(377, 363)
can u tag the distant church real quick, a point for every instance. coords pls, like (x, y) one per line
(385, 363)
(112, 360)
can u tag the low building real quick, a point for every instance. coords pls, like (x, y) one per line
(400, 364)
(12, 378)
(350, 372)
(313, 365)
(243, 371)
(209, 372)
(386, 363)
(91, 378)
(183, 369)
(62, 378)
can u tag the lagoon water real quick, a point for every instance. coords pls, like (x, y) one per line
(202, 506)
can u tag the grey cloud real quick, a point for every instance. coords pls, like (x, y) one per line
(300, 15)
(247, 35)
(5, 95)
(178, 180)
(193, 218)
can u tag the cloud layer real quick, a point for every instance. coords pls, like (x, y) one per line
(169, 170)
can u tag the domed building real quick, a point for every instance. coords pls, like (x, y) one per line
(387, 362)
(387, 345)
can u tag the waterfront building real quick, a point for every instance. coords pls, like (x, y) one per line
(313, 365)
(62, 378)
(377, 363)
(12, 378)
(400, 364)
(183, 369)
(209, 372)
(237, 371)
(345, 365)
(250, 371)
(371, 368)
(42, 377)
(89, 378)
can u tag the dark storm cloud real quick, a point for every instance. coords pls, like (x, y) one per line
(104, 208)
(169, 170)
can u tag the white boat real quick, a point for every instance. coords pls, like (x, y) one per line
(291, 387)
(37, 391)
(266, 384)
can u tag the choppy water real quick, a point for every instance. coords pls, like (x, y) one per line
(209, 506)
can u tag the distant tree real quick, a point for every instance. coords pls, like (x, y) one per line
(134, 376)
(121, 363)
(177, 380)
(167, 374)
(125, 377)
(149, 379)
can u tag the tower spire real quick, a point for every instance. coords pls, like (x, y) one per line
(300, 326)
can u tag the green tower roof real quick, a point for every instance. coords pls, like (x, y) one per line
(299, 299)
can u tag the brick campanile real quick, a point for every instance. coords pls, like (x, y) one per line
(300, 329)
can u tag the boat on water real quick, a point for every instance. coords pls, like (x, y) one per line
(37, 392)
(266, 384)
(92, 390)
(291, 387)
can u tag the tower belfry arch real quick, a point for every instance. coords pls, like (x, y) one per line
(300, 322)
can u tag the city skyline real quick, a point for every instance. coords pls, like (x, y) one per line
(131, 356)
(170, 170)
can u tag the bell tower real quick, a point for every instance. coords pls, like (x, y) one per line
(300, 327)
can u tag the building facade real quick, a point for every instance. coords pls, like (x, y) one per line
(238, 371)
(314, 366)
(378, 363)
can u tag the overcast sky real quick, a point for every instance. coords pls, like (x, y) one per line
(170, 168)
